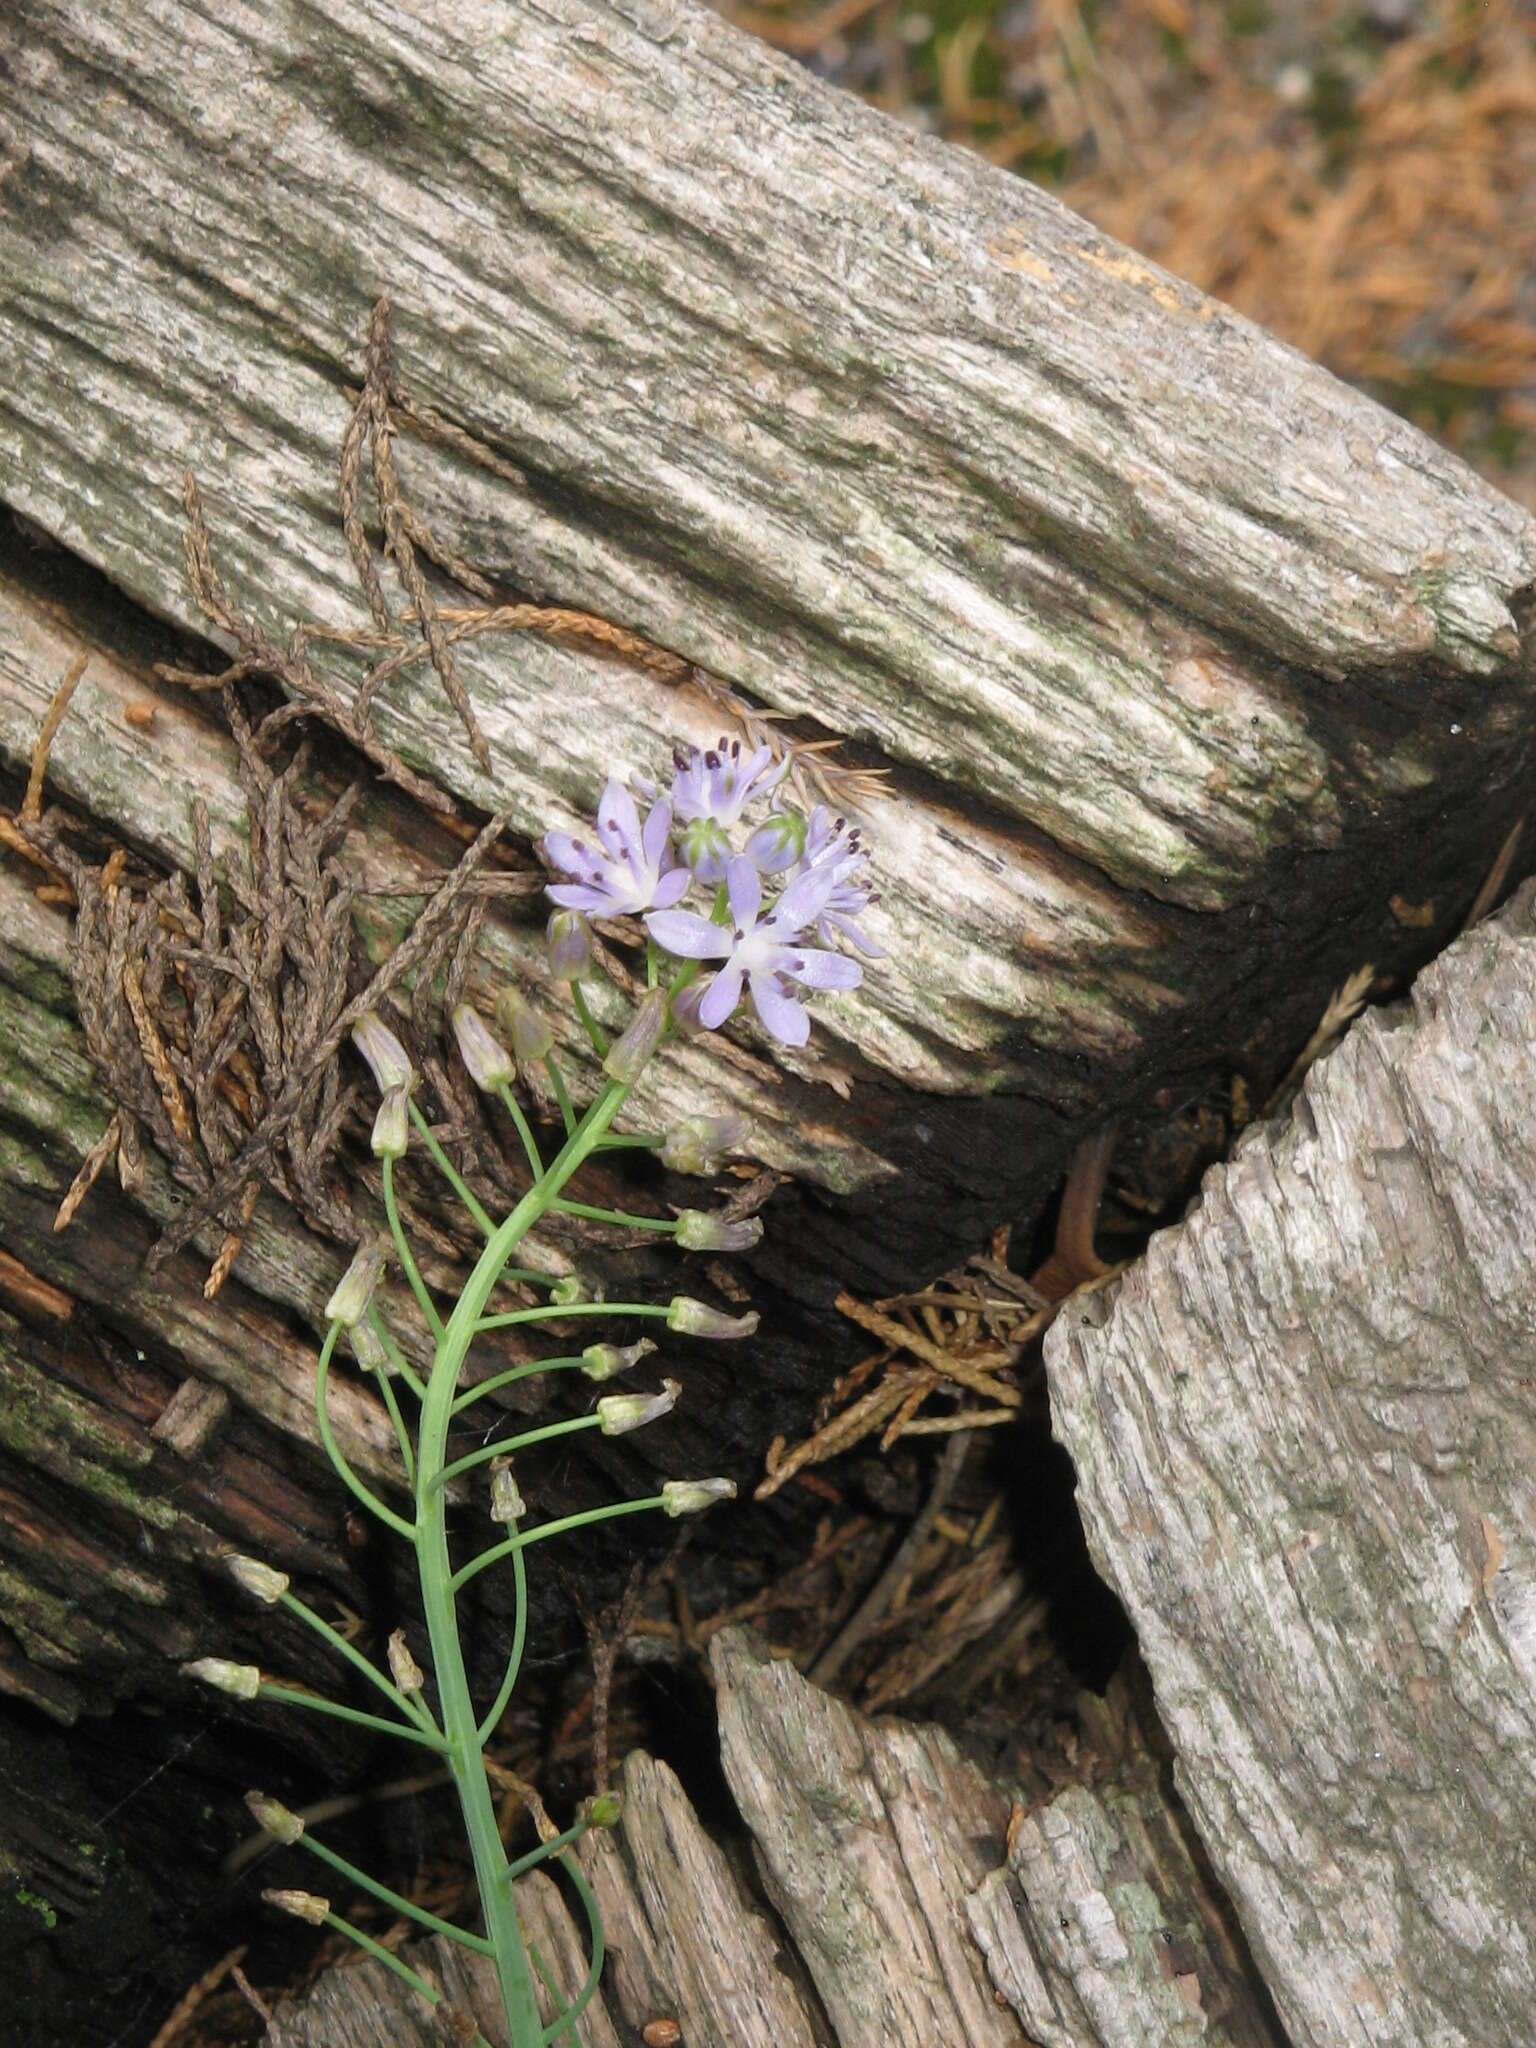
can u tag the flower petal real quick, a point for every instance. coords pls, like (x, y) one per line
(653, 840)
(745, 891)
(782, 1017)
(815, 969)
(672, 886)
(688, 935)
(721, 997)
(618, 822)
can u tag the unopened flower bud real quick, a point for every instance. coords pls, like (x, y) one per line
(355, 1289)
(507, 1504)
(641, 1036)
(391, 1126)
(257, 1579)
(386, 1056)
(302, 1905)
(568, 938)
(697, 1319)
(485, 1058)
(777, 843)
(369, 1350)
(567, 1291)
(243, 1680)
(698, 1143)
(706, 847)
(698, 1230)
(603, 1810)
(279, 1821)
(692, 1496)
(618, 1414)
(403, 1668)
(531, 1037)
(604, 1361)
(685, 1009)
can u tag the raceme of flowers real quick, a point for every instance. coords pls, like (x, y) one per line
(696, 836)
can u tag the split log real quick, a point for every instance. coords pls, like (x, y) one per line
(1304, 1437)
(1181, 659)
(925, 1906)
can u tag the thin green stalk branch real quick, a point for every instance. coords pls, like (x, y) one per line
(505, 1446)
(491, 1720)
(589, 1023)
(545, 1850)
(552, 1311)
(524, 1130)
(562, 1093)
(290, 1696)
(512, 1376)
(393, 1899)
(403, 1250)
(416, 1710)
(449, 1171)
(621, 1218)
(393, 1964)
(402, 1434)
(523, 1540)
(365, 1494)
(397, 1357)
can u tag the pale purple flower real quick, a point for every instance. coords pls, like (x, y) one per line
(831, 846)
(720, 783)
(777, 843)
(630, 869)
(764, 953)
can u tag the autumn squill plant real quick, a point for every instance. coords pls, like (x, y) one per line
(770, 903)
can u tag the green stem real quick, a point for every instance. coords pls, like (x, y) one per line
(522, 1541)
(491, 1720)
(589, 1023)
(448, 1170)
(621, 1218)
(415, 1710)
(524, 1130)
(290, 1696)
(506, 1445)
(583, 1997)
(402, 1434)
(511, 1377)
(562, 1093)
(545, 1850)
(460, 1726)
(397, 1357)
(393, 1899)
(408, 1264)
(365, 1494)
(553, 1311)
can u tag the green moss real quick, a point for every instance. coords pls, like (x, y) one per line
(40, 1906)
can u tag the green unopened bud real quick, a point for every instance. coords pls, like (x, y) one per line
(302, 1905)
(699, 1142)
(697, 1319)
(257, 1579)
(507, 1504)
(243, 1680)
(403, 1668)
(531, 1037)
(628, 1054)
(355, 1289)
(706, 847)
(485, 1058)
(387, 1058)
(618, 1414)
(368, 1348)
(603, 1810)
(567, 1291)
(568, 938)
(699, 1230)
(692, 1496)
(391, 1126)
(279, 1821)
(604, 1361)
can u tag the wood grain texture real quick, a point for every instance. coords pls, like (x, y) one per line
(1304, 1433)
(1141, 609)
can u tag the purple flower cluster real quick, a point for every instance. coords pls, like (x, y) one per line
(690, 837)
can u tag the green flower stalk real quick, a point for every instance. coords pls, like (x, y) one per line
(625, 871)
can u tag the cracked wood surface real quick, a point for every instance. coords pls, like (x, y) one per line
(1304, 1435)
(912, 1911)
(1170, 642)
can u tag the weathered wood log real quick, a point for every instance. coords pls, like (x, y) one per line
(884, 1852)
(1171, 644)
(1304, 1435)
